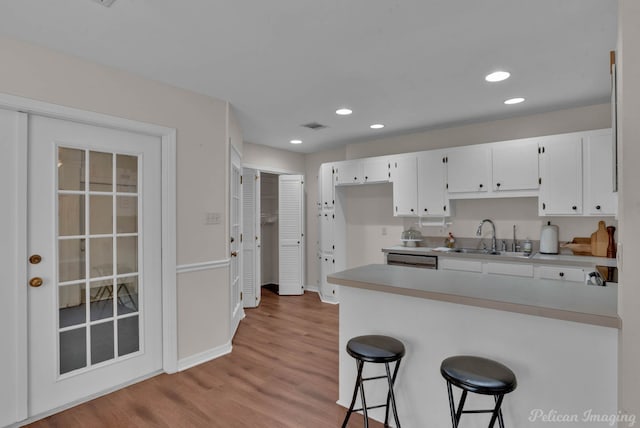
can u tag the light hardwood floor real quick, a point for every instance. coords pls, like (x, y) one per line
(283, 372)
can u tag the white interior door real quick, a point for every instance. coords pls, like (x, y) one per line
(251, 279)
(291, 234)
(95, 315)
(235, 226)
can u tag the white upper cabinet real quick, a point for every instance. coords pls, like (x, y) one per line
(362, 171)
(432, 200)
(561, 174)
(325, 177)
(375, 170)
(348, 172)
(405, 185)
(468, 169)
(515, 165)
(599, 198)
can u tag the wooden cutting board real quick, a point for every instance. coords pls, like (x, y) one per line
(600, 240)
(579, 246)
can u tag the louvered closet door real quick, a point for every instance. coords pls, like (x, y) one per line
(291, 234)
(251, 232)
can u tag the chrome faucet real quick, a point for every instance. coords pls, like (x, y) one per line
(493, 233)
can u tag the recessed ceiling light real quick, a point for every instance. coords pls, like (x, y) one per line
(497, 76)
(377, 126)
(296, 141)
(514, 100)
(344, 111)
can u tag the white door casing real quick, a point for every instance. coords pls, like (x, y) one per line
(235, 228)
(251, 243)
(52, 382)
(291, 234)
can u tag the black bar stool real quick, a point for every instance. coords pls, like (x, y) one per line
(481, 376)
(375, 349)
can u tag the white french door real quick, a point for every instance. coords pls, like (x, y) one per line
(235, 226)
(291, 234)
(251, 245)
(94, 226)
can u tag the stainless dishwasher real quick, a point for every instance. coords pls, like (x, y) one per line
(412, 260)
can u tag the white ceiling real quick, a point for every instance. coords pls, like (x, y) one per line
(410, 64)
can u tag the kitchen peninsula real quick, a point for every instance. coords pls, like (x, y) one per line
(560, 339)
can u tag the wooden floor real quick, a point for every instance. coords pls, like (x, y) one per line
(282, 373)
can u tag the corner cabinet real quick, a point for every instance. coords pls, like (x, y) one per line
(561, 175)
(432, 172)
(404, 176)
(468, 170)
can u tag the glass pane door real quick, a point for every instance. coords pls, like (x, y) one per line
(98, 239)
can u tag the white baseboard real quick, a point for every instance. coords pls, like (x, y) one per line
(313, 288)
(203, 357)
(331, 300)
(83, 400)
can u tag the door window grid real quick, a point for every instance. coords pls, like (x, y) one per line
(124, 300)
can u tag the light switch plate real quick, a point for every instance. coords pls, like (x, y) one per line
(212, 218)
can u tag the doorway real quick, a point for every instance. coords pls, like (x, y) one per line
(273, 222)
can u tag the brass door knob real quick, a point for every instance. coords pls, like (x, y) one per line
(234, 254)
(35, 282)
(35, 259)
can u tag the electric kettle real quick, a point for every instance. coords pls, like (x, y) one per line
(549, 239)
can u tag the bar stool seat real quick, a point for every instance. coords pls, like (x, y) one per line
(380, 350)
(481, 376)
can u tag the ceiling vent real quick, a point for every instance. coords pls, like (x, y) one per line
(314, 126)
(105, 3)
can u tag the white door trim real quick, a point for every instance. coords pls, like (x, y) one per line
(169, 297)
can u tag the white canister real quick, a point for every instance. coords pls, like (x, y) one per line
(549, 239)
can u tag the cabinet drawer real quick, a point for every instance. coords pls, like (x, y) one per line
(512, 269)
(561, 273)
(464, 265)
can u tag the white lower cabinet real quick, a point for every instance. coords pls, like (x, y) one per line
(525, 270)
(562, 273)
(512, 269)
(459, 264)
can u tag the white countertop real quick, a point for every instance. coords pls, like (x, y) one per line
(547, 298)
(538, 258)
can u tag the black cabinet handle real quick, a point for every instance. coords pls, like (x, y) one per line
(425, 210)
(366, 177)
(355, 178)
(561, 274)
(411, 209)
(497, 184)
(574, 207)
(598, 207)
(481, 186)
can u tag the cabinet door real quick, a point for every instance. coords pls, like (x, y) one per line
(326, 185)
(598, 174)
(561, 174)
(468, 169)
(326, 231)
(405, 186)
(515, 165)
(459, 264)
(375, 170)
(327, 267)
(348, 172)
(431, 184)
(562, 273)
